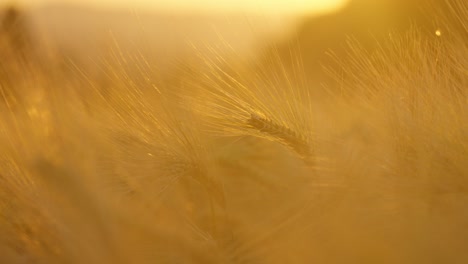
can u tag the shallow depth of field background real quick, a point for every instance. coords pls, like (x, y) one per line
(320, 131)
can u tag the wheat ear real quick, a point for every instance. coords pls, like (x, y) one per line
(295, 141)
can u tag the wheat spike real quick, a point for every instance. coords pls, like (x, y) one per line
(285, 135)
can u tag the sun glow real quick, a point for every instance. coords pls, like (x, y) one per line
(247, 6)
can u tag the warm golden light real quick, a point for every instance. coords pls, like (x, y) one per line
(248, 6)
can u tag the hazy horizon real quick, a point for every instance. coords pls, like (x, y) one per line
(270, 7)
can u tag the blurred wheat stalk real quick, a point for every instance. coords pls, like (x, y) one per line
(234, 162)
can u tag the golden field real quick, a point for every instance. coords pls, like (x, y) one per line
(343, 142)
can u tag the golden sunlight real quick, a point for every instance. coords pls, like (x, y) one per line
(233, 131)
(249, 6)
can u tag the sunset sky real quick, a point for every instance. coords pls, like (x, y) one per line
(255, 6)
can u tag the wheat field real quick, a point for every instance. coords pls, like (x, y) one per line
(237, 161)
